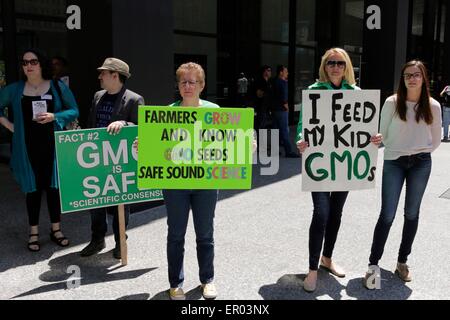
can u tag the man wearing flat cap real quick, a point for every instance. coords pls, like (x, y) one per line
(114, 107)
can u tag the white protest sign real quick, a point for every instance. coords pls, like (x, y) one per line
(338, 125)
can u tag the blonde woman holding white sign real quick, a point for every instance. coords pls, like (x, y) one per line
(411, 126)
(335, 73)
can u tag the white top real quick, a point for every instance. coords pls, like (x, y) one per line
(405, 138)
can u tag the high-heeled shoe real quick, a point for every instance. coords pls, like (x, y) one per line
(59, 241)
(30, 245)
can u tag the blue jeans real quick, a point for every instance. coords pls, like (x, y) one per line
(178, 204)
(446, 120)
(99, 222)
(325, 223)
(415, 170)
(282, 118)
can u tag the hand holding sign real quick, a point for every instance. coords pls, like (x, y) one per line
(115, 127)
(302, 145)
(377, 139)
(46, 117)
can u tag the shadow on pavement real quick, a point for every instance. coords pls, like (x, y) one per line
(92, 270)
(76, 226)
(193, 294)
(290, 287)
(163, 295)
(392, 288)
(140, 296)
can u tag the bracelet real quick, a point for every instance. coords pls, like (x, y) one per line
(124, 123)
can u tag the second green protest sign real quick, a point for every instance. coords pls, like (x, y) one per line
(195, 148)
(97, 169)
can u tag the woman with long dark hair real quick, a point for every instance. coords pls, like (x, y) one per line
(39, 110)
(411, 128)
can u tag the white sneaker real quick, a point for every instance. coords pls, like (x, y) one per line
(209, 291)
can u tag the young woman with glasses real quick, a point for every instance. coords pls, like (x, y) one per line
(335, 73)
(411, 127)
(38, 112)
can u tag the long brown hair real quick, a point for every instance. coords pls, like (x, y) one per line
(423, 109)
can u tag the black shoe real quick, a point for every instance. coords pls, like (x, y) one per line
(116, 252)
(292, 155)
(93, 247)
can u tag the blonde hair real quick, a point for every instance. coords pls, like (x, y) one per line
(349, 74)
(191, 66)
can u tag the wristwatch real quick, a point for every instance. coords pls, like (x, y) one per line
(125, 123)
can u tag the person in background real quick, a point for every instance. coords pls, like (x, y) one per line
(39, 111)
(263, 97)
(60, 68)
(411, 127)
(445, 94)
(281, 110)
(242, 88)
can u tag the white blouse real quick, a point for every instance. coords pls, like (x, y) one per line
(404, 138)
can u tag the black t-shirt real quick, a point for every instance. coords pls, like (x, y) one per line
(105, 110)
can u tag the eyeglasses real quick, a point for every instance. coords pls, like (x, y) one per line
(33, 62)
(332, 63)
(416, 75)
(190, 83)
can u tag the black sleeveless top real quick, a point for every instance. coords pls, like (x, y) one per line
(39, 140)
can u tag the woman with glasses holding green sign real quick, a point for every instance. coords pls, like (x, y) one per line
(335, 73)
(191, 82)
(39, 109)
(411, 126)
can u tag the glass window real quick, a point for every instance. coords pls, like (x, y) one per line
(275, 20)
(195, 15)
(51, 36)
(53, 8)
(306, 19)
(306, 73)
(274, 55)
(200, 49)
(443, 19)
(4, 135)
(417, 18)
(2, 57)
(352, 24)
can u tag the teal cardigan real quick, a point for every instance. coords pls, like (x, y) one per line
(11, 95)
(322, 86)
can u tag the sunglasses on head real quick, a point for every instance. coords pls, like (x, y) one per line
(33, 62)
(333, 63)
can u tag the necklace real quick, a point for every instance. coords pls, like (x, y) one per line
(35, 87)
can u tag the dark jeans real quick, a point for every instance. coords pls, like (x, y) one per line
(415, 170)
(33, 200)
(178, 204)
(325, 223)
(281, 119)
(99, 222)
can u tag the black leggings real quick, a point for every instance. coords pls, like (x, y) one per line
(33, 200)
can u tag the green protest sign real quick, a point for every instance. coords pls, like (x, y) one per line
(97, 169)
(195, 148)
